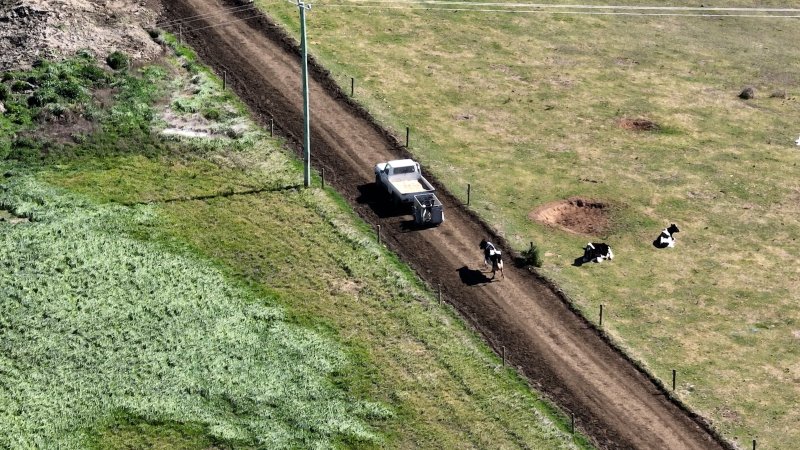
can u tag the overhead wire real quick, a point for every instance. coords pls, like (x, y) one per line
(541, 8)
(224, 23)
(515, 7)
(223, 11)
(569, 6)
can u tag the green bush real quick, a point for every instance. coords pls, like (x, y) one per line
(532, 256)
(21, 86)
(84, 54)
(69, 90)
(93, 73)
(42, 97)
(4, 92)
(118, 60)
(212, 114)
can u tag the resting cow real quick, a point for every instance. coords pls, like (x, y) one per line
(597, 252)
(666, 238)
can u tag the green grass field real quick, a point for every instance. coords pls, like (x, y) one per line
(525, 107)
(182, 293)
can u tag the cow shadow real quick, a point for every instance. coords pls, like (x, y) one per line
(472, 277)
(380, 202)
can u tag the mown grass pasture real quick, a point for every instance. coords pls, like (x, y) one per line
(181, 292)
(536, 108)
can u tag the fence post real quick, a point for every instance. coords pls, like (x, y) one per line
(407, 133)
(271, 127)
(379, 234)
(440, 293)
(323, 178)
(224, 80)
(601, 315)
(469, 192)
(673, 380)
(352, 87)
(504, 356)
(572, 423)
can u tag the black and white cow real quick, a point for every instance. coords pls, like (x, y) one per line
(597, 252)
(493, 256)
(666, 238)
(797, 141)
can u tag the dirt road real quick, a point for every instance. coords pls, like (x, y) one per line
(559, 352)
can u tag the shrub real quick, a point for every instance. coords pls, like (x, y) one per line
(3, 92)
(69, 90)
(118, 60)
(212, 114)
(7, 76)
(532, 256)
(41, 97)
(21, 86)
(93, 73)
(84, 54)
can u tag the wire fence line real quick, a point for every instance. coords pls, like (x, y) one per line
(499, 7)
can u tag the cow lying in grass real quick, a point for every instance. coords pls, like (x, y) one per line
(597, 252)
(491, 255)
(666, 238)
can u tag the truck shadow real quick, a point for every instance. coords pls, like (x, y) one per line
(380, 202)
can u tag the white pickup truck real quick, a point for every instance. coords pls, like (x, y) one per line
(403, 179)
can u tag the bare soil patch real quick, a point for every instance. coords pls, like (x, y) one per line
(576, 215)
(11, 218)
(638, 124)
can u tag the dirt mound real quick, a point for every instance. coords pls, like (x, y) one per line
(50, 29)
(576, 215)
(638, 124)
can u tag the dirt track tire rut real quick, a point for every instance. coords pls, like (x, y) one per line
(563, 356)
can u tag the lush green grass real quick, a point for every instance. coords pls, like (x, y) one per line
(96, 322)
(525, 107)
(201, 318)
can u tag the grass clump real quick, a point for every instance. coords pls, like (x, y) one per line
(118, 60)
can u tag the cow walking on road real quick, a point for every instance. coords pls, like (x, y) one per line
(493, 256)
